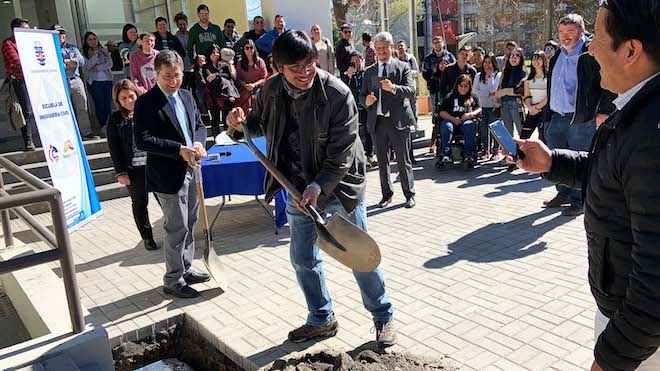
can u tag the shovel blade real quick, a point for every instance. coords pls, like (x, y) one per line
(358, 251)
(214, 266)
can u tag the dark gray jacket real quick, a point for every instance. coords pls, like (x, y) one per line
(332, 153)
(397, 103)
(620, 179)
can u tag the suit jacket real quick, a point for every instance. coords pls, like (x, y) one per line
(397, 103)
(157, 132)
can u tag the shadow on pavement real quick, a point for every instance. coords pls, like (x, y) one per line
(238, 229)
(501, 241)
(145, 302)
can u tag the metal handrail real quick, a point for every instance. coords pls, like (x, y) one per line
(60, 242)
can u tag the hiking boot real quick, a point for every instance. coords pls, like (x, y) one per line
(385, 333)
(558, 201)
(309, 332)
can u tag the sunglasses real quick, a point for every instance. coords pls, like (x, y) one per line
(464, 85)
(347, 31)
(248, 48)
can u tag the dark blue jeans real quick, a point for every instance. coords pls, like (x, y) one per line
(486, 142)
(101, 92)
(469, 129)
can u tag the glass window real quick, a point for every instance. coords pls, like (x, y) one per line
(146, 11)
(108, 21)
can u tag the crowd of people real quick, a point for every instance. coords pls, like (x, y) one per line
(337, 107)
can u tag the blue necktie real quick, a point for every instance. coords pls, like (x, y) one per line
(181, 117)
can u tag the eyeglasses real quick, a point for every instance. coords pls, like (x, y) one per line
(516, 55)
(248, 48)
(301, 67)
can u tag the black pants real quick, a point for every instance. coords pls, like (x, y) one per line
(367, 140)
(139, 201)
(530, 124)
(24, 100)
(388, 136)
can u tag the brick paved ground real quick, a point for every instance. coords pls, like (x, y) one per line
(476, 271)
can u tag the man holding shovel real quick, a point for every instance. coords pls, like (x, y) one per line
(310, 121)
(169, 128)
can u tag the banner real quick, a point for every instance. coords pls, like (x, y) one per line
(48, 87)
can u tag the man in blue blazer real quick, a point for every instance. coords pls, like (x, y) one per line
(169, 128)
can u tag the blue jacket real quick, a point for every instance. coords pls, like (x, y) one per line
(265, 42)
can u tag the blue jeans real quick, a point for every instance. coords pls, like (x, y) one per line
(469, 129)
(559, 133)
(511, 115)
(579, 139)
(307, 262)
(556, 135)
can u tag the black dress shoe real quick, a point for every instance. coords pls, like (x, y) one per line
(196, 277)
(410, 203)
(557, 201)
(180, 291)
(150, 244)
(384, 202)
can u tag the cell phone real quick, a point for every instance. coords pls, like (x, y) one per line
(505, 139)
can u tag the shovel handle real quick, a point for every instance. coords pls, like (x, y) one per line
(271, 168)
(280, 177)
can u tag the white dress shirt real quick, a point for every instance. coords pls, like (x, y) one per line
(625, 97)
(388, 69)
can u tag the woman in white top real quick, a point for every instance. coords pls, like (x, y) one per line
(326, 53)
(486, 83)
(536, 95)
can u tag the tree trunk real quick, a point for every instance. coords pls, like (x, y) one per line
(340, 8)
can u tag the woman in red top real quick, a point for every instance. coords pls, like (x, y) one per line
(251, 74)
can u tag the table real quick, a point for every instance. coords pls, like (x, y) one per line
(233, 170)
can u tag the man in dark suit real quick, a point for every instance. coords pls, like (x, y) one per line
(169, 128)
(387, 90)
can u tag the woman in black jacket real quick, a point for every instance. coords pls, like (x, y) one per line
(129, 162)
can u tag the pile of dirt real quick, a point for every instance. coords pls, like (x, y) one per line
(362, 360)
(178, 342)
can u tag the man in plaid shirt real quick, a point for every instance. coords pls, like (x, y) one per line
(14, 73)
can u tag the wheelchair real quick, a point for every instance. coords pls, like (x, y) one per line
(457, 155)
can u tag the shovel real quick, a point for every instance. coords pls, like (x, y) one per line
(211, 259)
(337, 236)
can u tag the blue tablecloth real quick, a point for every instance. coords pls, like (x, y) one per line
(238, 172)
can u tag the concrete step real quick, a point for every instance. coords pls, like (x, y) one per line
(40, 169)
(105, 192)
(20, 158)
(101, 177)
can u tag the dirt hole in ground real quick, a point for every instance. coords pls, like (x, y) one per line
(364, 358)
